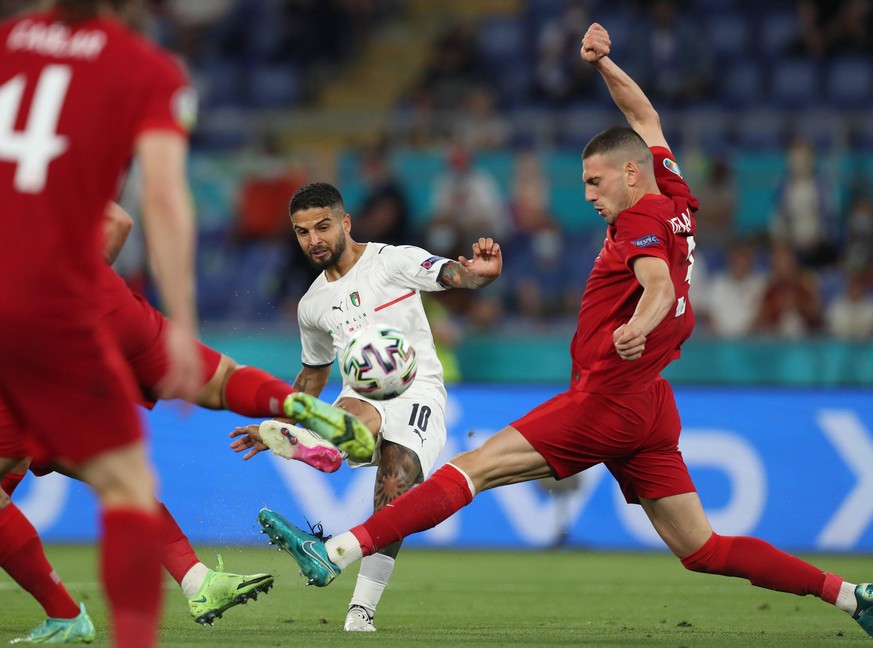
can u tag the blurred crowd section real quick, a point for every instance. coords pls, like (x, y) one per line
(443, 121)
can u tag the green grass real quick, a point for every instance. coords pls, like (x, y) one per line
(487, 598)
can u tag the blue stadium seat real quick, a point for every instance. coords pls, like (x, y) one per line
(277, 86)
(729, 34)
(849, 82)
(795, 83)
(513, 82)
(500, 40)
(742, 84)
(760, 130)
(776, 32)
(576, 127)
(220, 83)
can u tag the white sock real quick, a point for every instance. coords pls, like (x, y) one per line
(343, 549)
(374, 576)
(846, 600)
(194, 579)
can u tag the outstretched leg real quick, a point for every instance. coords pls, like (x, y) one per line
(682, 524)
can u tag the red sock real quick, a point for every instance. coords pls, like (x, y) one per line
(762, 564)
(131, 566)
(11, 481)
(23, 558)
(177, 554)
(252, 392)
(434, 500)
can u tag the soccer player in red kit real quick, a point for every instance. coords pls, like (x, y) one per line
(619, 411)
(80, 94)
(140, 329)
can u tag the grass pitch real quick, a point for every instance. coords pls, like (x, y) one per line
(486, 598)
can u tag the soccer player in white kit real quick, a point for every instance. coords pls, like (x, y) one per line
(371, 285)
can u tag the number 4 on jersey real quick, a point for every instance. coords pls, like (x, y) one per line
(38, 144)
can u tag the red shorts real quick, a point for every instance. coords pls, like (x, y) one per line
(635, 435)
(139, 329)
(66, 391)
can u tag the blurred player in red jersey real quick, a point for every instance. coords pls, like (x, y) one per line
(80, 94)
(619, 411)
(226, 385)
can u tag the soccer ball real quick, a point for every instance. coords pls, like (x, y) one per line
(379, 363)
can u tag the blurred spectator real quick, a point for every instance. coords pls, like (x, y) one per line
(416, 122)
(831, 27)
(451, 70)
(804, 218)
(469, 197)
(561, 75)
(859, 234)
(717, 197)
(480, 126)
(791, 304)
(384, 213)
(670, 56)
(731, 302)
(542, 281)
(479, 310)
(446, 336)
(850, 315)
(262, 210)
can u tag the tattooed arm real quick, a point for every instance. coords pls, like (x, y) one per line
(477, 272)
(311, 380)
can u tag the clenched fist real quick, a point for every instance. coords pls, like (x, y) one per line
(595, 44)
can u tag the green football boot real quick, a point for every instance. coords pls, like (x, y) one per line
(221, 591)
(864, 612)
(332, 424)
(79, 629)
(307, 549)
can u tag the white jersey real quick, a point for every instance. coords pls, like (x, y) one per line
(381, 289)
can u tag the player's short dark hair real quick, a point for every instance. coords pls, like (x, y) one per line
(617, 138)
(315, 194)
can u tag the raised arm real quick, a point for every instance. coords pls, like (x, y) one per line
(477, 272)
(625, 92)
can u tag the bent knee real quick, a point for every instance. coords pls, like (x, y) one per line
(363, 411)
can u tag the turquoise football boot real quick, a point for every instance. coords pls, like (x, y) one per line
(864, 612)
(307, 549)
(79, 629)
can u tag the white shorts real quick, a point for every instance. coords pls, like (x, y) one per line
(416, 420)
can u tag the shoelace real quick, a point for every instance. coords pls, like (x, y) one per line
(317, 530)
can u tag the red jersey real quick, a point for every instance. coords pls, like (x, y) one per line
(660, 226)
(73, 99)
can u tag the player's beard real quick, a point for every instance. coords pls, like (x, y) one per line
(330, 260)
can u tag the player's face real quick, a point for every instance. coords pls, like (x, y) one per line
(322, 234)
(605, 186)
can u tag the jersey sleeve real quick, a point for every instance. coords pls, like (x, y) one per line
(638, 233)
(317, 345)
(168, 101)
(411, 267)
(669, 176)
